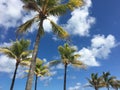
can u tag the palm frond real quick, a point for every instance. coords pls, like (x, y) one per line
(8, 52)
(58, 10)
(78, 64)
(72, 4)
(54, 62)
(26, 62)
(59, 31)
(30, 5)
(24, 27)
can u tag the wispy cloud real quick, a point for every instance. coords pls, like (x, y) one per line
(81, 21)
(100, 49)
(78, 86)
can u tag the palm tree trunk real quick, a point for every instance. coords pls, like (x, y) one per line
(65, 74)
(33, 61)
(36, 82)
(14, 76)
(96, 88)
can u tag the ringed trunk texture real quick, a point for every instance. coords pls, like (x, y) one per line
(33, 61)
(65, 74)
(14, 76)
(36, 78)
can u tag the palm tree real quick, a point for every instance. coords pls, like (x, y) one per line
(115, 84)
(68, 56)
(107, 80)
(18, 51)
(95, 81)
(41, 70)
(45, 8)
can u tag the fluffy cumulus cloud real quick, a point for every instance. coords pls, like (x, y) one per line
(10, 12)
(80, 21)
(100, 49)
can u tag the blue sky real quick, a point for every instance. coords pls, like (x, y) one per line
(94, 30)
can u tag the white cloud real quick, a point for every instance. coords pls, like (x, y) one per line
(60, 77)
(8, 65)
(47, 25)
(76, 87)
(5, 44)
(80, 21)
(13, 11)
(100, 48)
(60, 66)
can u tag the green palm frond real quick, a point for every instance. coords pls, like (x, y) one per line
(26, 62)
(30, 5)
(59, 31)
(24, 27)
(39, 61)
(58, 10)
(72, 4)
(25, 54)
(19, 47)
(78, 64)
(8, 52)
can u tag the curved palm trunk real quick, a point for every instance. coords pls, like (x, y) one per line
(14, 76)
(65, 74)
(36, 78)
(33, 61)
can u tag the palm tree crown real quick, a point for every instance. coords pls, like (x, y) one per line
(18, 51)
(95, 81)
(68, 56)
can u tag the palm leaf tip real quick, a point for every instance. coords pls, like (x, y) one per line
(59, 31)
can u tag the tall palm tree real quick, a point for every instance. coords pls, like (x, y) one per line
(95, 81)
(68, 56)
(45, 8)
(107, 80)
(18, 51)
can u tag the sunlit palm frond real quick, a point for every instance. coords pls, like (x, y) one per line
(24, 27)
(8, 52)
(72, 4)
(26, 62)
(59, 31)
(25, 54)
(79, 64)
